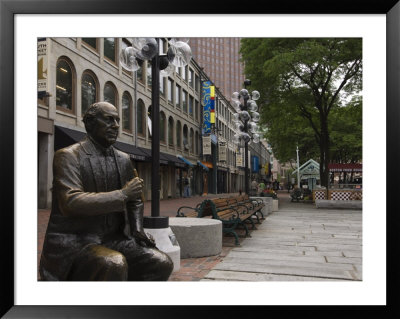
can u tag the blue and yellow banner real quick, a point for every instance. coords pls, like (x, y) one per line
(255, 165)
(206, 102)
(212, 107)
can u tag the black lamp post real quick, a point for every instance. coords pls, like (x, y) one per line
(246, 119)
(178, 55)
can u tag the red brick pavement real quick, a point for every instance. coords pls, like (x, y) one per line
(191, 269)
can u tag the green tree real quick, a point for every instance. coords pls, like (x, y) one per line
(303, 79)
(346, 133)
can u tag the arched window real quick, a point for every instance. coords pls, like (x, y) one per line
(162, 127)
(185, 138)
(191, 141)
(127, 112)
(178, 134)
(196, 140)
(65, 79)
(141, 123)
(110, 94)
(89, 90)
(171, 131)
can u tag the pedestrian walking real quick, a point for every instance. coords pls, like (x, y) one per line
(186, 186)
(254, 186)
(261, 187)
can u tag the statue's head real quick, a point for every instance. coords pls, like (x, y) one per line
(102, 123)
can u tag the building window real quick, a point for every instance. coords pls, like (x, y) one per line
(92, 42)
(139, 73)
(191, 99)
(64, 85)
(170, 92)
(196, 110)
(127, 112)
(178, 96)
(185, 138)
(184, 101)
(162, 86)
(191, 78)
(171, 131)
(162, 127)
(178, 134)
(196, 139)
(140, 118)
(162, 47)
(197, 84)
(125, 43)
(110, 94)
(89, 91)
(110, 49)
(191, 141)
(184, 73)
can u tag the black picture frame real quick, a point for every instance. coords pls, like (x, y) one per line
(8, 10)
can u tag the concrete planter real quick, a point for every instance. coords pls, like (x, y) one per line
(197, 237)
(275, 205)
(268, 201)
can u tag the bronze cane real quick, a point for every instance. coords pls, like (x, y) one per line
(127, 228)
(137, 175)
(149, 240)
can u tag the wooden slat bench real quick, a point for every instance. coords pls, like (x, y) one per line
(229, 212)
(254, 204)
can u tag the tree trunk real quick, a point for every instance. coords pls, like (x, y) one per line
(324, 151)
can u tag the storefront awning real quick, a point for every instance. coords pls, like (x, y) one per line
(208, 164)
(184, 160)
(172, 160)
(66, 137)
(202, 165)
(133, 151)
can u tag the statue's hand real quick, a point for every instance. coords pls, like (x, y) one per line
(143, 240)
(133, 188)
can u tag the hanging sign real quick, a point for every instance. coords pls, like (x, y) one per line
(222, 151)
(206, 145)
(42, 65)
(239, 159)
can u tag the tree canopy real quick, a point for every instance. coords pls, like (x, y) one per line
(309, 96)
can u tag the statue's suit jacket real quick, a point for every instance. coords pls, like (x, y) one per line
(82, 212)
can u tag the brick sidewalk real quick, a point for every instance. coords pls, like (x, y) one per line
(191, 269)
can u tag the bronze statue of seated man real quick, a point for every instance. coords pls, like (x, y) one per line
(95, 231)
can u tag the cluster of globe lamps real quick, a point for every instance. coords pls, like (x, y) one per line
(246, 118)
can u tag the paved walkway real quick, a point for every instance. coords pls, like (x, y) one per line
(297, 243)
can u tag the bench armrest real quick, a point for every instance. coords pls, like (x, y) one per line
(182, 214)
